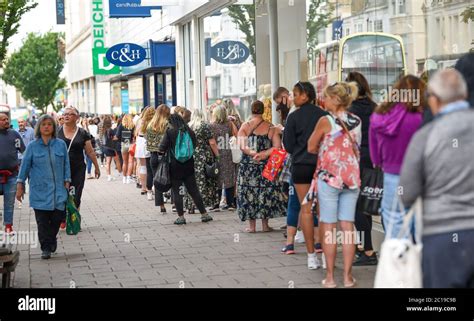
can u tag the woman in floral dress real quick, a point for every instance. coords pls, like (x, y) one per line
(258, 198)
(222, 130)
(205, 153)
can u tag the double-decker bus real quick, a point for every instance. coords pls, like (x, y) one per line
(380, 57)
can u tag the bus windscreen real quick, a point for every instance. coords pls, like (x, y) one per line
(378, 58)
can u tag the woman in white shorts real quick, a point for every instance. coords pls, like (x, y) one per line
(141, 153)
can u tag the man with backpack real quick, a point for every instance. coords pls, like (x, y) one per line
(178, 147)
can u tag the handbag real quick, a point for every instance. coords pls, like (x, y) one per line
(274, 164)
(235, 148)
(400, 258)
(162, 179)
(212, 170)
(371, 191)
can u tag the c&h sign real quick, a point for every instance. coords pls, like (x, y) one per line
(126, 54)
(226, 52)
(100, 64)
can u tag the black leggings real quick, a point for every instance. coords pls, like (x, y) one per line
(363, 223)
(78, 177)
(191, 187)
(229, 195)
(149, 174)
(48, 227)
(159, 199)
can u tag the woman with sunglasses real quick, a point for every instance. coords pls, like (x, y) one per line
(298, 130)
(77, 141)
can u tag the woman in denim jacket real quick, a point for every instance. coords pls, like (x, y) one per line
(46, 165)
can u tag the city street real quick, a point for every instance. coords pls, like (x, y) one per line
(160, 254)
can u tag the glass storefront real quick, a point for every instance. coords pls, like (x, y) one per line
(229, 42)
(135, 94)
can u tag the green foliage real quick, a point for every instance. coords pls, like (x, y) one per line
(316, 21)
(11, 12)
(35, 69)
(244, 17)
(468, 14)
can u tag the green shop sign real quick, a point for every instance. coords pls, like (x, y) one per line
(100, 63)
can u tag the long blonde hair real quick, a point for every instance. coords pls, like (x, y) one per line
(219, 115)
(197, 118)
(159, 122)
(147, 115)
(127, 122)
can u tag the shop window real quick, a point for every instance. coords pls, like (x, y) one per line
(230, 43)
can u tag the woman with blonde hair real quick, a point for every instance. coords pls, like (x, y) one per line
(222, 130)
(142, 154)
(125, 135)
(232, 112)
(154, 134)
(206, 153)
(336, 139)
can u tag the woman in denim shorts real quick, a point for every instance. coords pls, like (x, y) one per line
(336, 138)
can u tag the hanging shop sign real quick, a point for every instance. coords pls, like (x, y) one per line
(60, 16)
(337, 29)
(100, 65)
(227, 52)
(126, 54)
(130, 9)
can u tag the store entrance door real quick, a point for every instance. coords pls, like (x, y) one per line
(166, 87)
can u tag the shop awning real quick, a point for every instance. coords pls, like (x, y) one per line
(160, 55)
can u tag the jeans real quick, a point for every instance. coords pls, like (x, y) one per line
(448, 260)
(149, 174)
(89, 165)
(392, 213)
(9, 193)
(294, 207)
(191, 188)
(48, 227)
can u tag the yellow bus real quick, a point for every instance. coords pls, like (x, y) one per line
(380, 57)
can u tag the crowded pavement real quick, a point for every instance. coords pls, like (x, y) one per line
(161, 254)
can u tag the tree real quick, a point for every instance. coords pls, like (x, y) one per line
(11, 12)
(467, 15)
(316, 21)
(244, 17)
(35, 69)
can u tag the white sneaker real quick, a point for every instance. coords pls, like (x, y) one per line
(124, 180)
(109, 178)
(20, 205)
(313, 262)
(129, 179)
(299, 238)
(149, 196)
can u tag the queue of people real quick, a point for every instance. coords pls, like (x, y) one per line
(318, 187)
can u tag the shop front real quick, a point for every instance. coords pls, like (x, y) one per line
(150, 83)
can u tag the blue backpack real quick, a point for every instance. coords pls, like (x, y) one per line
(184, 148)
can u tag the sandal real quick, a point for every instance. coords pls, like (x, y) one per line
(249, 230)
(288, 249)
(206, 218)
(180, 221)
(327, 285)
(268, 230)
(350, 284)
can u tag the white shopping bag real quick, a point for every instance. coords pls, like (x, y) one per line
(400, 258)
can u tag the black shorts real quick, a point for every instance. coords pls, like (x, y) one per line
(302, 174)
